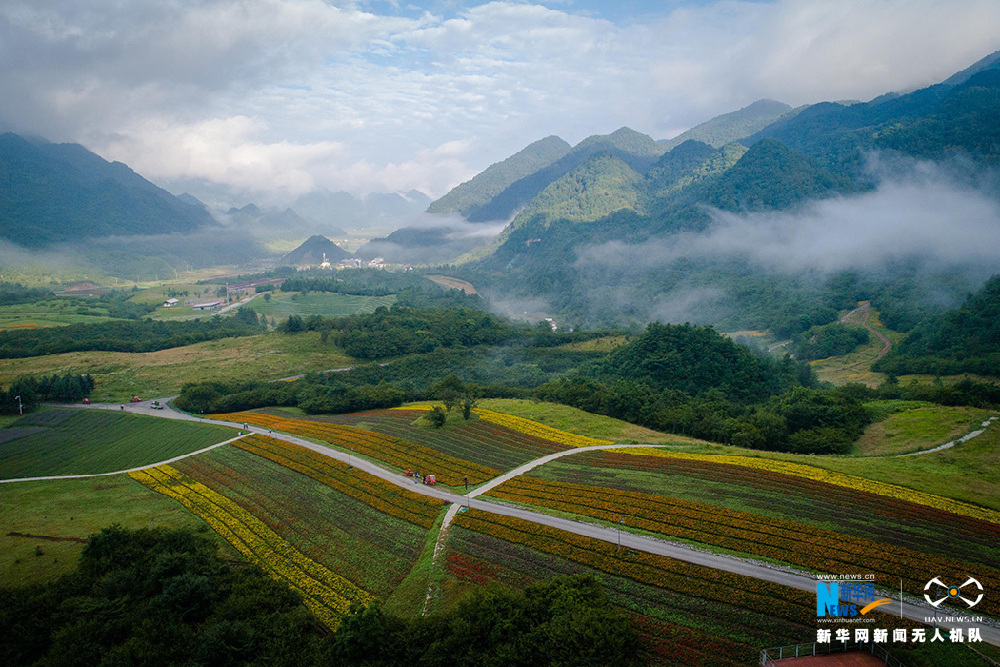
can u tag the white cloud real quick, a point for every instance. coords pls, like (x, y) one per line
(288, 93)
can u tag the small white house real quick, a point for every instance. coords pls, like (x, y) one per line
(170, 303)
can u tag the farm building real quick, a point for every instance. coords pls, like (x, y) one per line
(208, 305)
(170, 303)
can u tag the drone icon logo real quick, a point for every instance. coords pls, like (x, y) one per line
(953, 592)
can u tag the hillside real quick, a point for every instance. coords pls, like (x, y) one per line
(498, 176)
(635, 149)
(963, 340)
(54, 193)
(733, 126)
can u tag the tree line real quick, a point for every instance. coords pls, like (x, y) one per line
(154, 597)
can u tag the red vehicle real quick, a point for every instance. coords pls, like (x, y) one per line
(430, 480)
(135, 399)
(86, 401)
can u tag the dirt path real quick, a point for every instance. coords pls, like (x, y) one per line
(956, 441)
(863, 315)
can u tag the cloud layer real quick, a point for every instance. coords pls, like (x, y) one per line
(285, 96)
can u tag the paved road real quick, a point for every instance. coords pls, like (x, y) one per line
(800, 580)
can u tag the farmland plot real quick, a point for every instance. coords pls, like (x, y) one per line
(81, 442)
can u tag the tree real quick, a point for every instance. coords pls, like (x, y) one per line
(437, 416)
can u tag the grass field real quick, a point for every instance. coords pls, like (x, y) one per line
(919, 429)
(84, 442)
(579, 422)
(327, 304)
(72, 509)
(119, 375)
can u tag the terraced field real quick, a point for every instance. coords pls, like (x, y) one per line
(485, 442)
(397, 452)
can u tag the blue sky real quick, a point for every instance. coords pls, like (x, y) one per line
(263, 100)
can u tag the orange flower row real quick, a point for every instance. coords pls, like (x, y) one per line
(395, 451)
(800, 544)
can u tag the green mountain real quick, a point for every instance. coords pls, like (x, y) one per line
(637, 150)
(498, 176)
(733, 126)
(938, 121)
(600, 186)
(55, 193)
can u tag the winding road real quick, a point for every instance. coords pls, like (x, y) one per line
(743, 566)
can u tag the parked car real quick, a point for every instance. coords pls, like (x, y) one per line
(86, 401)
(156, 405)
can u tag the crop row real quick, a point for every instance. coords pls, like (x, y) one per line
(372, 549)
(879, 517)
(378, 493)
(517, 565)
(685, 578)
(528, 427)
(783, 483)
(475, 440)
(830, 477)
(328, 595)
(394, 451)
(796, 543)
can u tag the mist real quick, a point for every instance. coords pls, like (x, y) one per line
(920, 219)
(427, 238)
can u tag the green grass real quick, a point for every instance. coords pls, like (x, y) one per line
(969, 472)
(577, 421)
(918, 429)
(119, 375)
(84, 442)
(283, 304)
(75, 508)
(52, 313)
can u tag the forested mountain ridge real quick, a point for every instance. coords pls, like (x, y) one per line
(52, 193)
(498, 176)
(733, 126)
(637, 150)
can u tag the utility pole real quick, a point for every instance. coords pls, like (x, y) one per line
(20, 408)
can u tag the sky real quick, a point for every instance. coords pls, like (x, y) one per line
(267, 99)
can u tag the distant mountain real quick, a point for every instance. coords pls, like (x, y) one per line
(733, 126)
(53, 193)
(264, 223)
(311, 252)
(497, 177)
(339, 213)
(637, 150)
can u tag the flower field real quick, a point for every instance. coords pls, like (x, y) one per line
(477, 440)
(879, 518)
(528, 427)
(830, 477)
(397, 452)
(823, 550)
(684, 613)
(383, 496)
(328, 595)
(370, 548)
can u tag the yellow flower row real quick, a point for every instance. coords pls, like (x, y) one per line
(829, 477)
(326, 594)
(527, 426)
